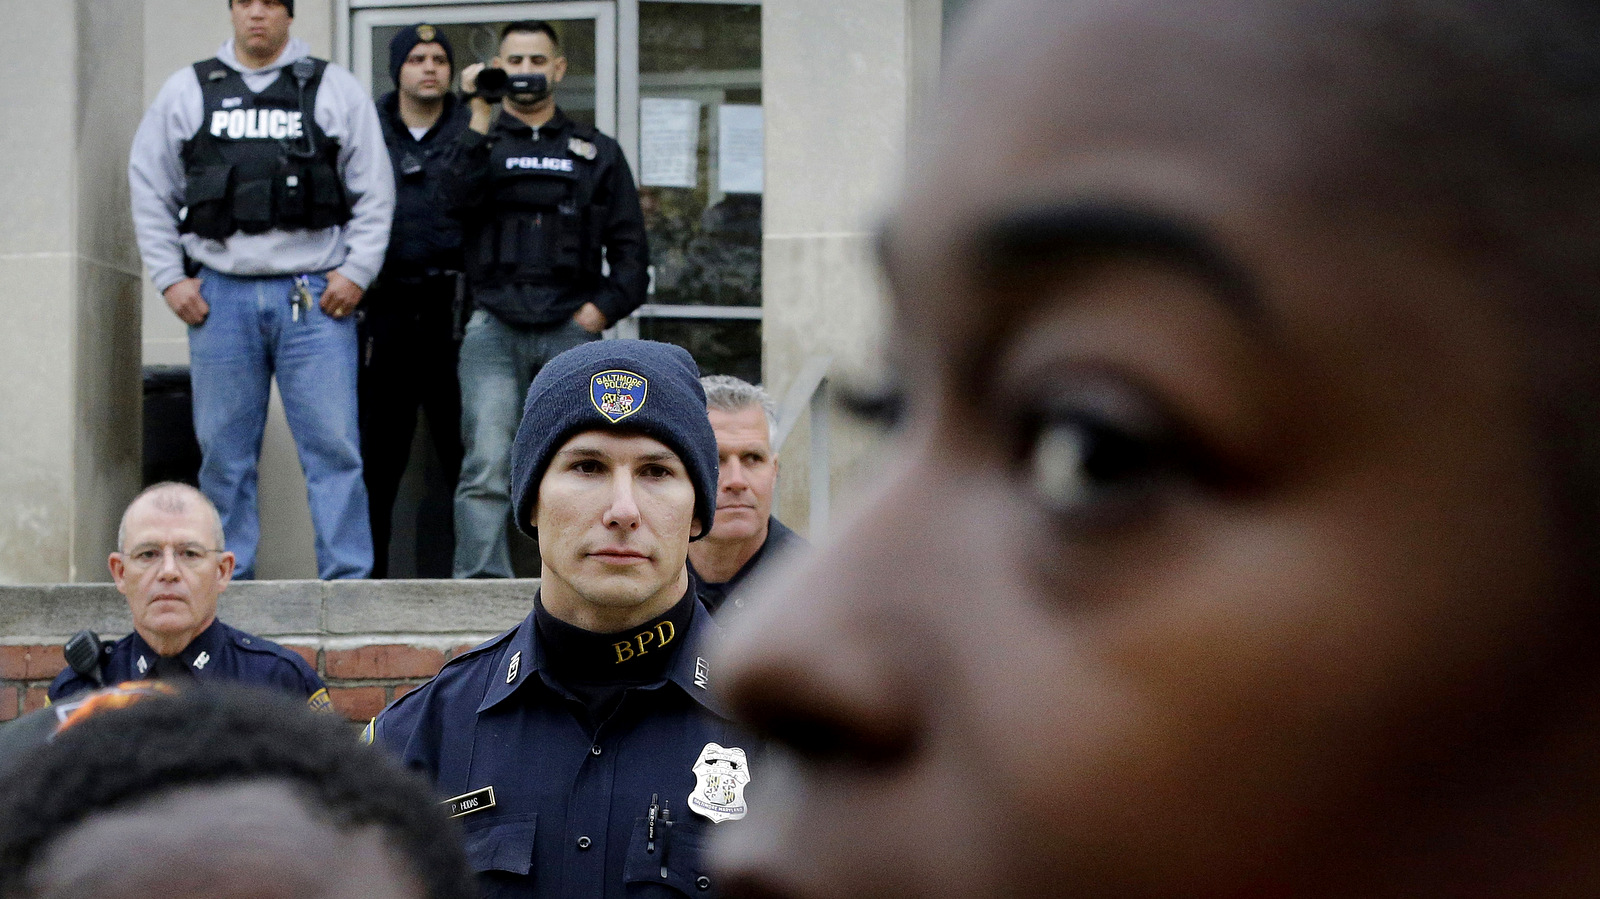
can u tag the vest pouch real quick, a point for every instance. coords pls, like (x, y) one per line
(566, 247)
(328, 205)
(252, 205)
(294, 195)
(208, 212)
(544, 191)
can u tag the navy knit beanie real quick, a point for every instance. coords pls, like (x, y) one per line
(405, 39)
(631, 386)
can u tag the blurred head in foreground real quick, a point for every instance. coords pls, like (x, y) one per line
(220, 792)
(1244, 538)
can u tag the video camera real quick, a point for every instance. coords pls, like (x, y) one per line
(495, 84)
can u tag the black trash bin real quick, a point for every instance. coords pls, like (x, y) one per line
(171, 452)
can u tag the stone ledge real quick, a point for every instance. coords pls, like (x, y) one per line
(432, 611)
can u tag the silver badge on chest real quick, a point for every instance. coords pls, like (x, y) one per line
(720, 776)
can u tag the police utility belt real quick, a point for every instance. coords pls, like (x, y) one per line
(260, 162)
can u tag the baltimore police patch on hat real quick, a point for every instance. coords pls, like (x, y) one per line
(618, 394)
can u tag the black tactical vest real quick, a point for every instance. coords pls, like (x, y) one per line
(259, 161)
(537, 231)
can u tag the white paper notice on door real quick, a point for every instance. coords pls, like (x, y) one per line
(741, 149)
(669, 142)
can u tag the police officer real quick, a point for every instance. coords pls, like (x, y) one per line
(262, 197)
(547, 203)
(746, 534)
(582, 750)
(171, 565)
(408, 341)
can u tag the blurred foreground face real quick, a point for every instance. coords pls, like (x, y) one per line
(1216, 561)
(250, 841)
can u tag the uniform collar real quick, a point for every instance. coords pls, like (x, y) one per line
(201, 652)
(522, 658)
(389, 106)
(510, 124)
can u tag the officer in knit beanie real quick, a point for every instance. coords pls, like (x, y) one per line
(630, 386)
(405, 39)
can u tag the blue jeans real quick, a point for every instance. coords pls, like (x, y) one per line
(248, 337)
(498, 363)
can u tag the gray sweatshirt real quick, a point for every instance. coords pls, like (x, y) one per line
(155, 176)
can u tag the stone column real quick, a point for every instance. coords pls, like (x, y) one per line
(70, 393)
(838, 121)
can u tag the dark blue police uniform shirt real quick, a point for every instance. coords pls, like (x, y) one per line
(569, 814)
(780, 541)
(219, 653)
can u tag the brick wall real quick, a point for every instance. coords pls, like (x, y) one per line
(372, 641)
(361, 680)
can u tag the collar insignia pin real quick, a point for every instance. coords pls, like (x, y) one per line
(516, 663)
(581, 147)
(201, 660)
(720, 776)
(702, 673)
(143, 666)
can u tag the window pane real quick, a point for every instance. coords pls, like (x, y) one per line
(480, 41)
(719, 346)
(705, 241)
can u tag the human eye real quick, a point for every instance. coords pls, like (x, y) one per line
(1103, 460)
(655, 471)
(587, 466)
(192, 553)
(145, 555)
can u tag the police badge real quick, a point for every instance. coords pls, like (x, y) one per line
(426, 33)
(618, 394)
(720, 776)
(580, 147)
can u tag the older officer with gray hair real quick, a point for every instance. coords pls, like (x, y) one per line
(745, 534)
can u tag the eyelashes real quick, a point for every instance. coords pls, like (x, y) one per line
(1084, 466)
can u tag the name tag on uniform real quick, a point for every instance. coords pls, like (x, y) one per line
(467, 803)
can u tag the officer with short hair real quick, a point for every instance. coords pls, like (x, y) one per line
(582, 750)
(171, 564)
(408, 320)
(262, 197)
(746, 534)
(555, 252)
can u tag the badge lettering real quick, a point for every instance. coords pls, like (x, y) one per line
(467, 803)
(143, 665)
(618, 394)
(659, 636)
(201, 660)
(720, 776)
(539, 163)
(516, 663)
(702, 673)
(277, 124)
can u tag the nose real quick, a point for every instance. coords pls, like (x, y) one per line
(731, 476)
(847, 669)
(168, 570)
(623, 510)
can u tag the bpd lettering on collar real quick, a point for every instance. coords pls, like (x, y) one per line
(539, 163)
(658, 636)
(272, 124)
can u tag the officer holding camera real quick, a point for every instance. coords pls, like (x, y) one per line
(555, 252)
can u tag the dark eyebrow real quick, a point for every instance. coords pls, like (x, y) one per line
(1046, 234)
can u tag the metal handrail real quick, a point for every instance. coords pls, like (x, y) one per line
(809, 393)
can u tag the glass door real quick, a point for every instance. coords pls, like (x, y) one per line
(588, 32)
(699, 163)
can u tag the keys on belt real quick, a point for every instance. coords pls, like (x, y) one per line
(300, 298)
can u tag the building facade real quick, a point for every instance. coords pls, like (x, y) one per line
(766, 136)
